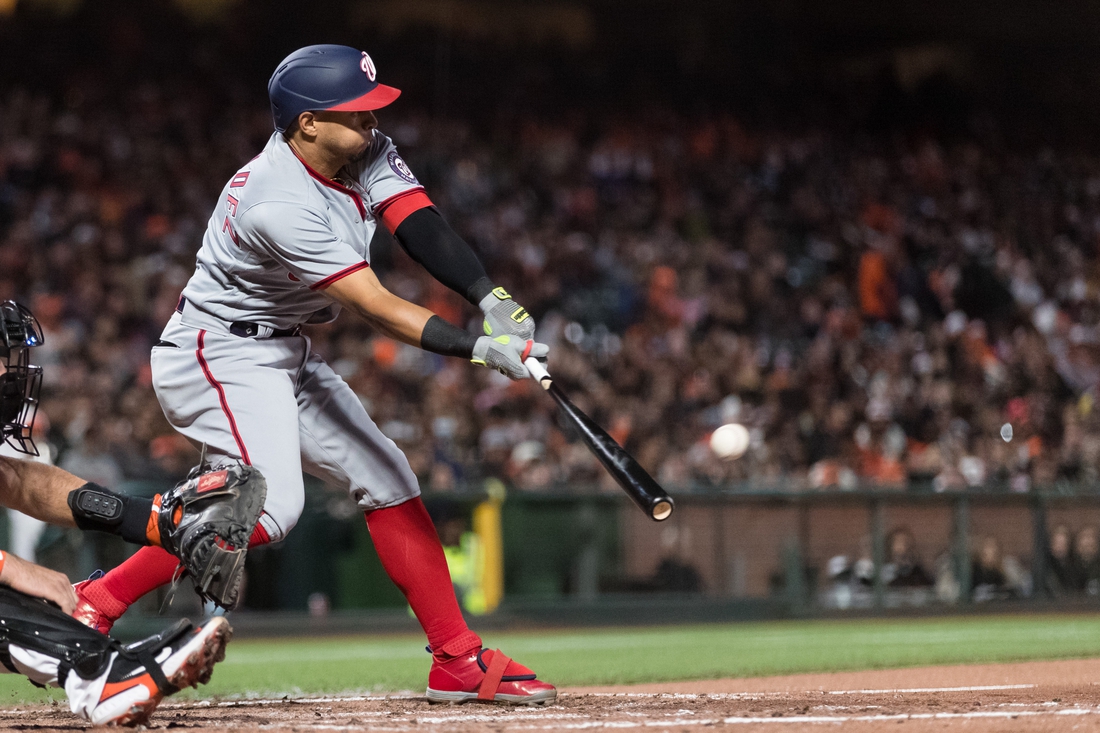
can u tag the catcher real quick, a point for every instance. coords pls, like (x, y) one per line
(204, 521)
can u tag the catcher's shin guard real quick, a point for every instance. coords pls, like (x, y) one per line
(65, 644)
(106, 682)
(206, 522)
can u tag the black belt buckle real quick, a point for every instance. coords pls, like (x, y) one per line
(244, 329)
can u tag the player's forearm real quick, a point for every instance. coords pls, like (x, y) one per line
(38, 490)
(363, 294)
(399, 320)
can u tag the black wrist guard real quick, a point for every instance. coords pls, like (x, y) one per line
(103, 510)
(441, 337)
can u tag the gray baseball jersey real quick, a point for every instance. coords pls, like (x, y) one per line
(279, 236)
(281, 233)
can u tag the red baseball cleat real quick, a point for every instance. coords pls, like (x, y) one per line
(96, 608)
(488, 676)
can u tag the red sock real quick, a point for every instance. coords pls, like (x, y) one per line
(407, 544)
(147, 569)
(259, 536)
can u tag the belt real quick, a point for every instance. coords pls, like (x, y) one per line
(247, 329)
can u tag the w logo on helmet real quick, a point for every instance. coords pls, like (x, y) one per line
(368, 66)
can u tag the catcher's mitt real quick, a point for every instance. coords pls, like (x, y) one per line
(206, 522)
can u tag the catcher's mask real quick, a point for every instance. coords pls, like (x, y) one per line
(19, 380)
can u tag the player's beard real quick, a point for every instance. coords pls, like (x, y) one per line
(366, 146)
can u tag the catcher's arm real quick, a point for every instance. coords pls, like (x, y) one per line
(38, 490)
(205, 521)
(37, 581)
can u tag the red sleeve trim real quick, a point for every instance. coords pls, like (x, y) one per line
(396, 208)
(342, 274)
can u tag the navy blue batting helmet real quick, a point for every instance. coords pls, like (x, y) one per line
(325, 77)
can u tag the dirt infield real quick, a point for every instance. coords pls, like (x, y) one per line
(1033, 696)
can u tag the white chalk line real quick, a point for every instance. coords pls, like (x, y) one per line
(548, 719)
(735, 720)
(922, 690)
(302, 700)
(749, 695)
(285, 700)
(288, 699)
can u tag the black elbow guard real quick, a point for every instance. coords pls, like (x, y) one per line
(103, 510)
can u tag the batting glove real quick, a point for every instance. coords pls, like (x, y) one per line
(506, 354)
(506, 317)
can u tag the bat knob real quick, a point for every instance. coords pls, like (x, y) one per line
(661, 510)
(538, 371)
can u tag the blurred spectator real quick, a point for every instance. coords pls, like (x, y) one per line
(994, 577)
(906, 581)
(903, 568)
(1061, 563)
(674, 572)
(1086, 546)
(92, 461)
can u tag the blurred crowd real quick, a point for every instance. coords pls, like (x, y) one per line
(1069, 568)
(890, 309)
(991, 575)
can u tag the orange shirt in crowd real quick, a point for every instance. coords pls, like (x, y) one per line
(877, 294)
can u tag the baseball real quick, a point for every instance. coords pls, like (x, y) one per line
(729, 441)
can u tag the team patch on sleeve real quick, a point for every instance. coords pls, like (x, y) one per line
(400, 167)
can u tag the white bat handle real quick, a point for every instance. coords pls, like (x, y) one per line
(538, 371)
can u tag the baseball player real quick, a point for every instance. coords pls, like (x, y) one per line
(287, 245)
(106, 683)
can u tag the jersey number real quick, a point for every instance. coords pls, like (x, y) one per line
(231, 204)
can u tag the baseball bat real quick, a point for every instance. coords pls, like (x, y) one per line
(626, 471)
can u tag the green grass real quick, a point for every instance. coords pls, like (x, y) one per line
(591, 657)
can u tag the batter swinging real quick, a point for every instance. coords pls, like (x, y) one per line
(288, 244)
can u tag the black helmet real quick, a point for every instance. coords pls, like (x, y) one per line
(19, 381)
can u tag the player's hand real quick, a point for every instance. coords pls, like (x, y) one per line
(35, 580)
(506, 317)
(506, 354)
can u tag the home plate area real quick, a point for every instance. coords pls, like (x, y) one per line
(1035, 696)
